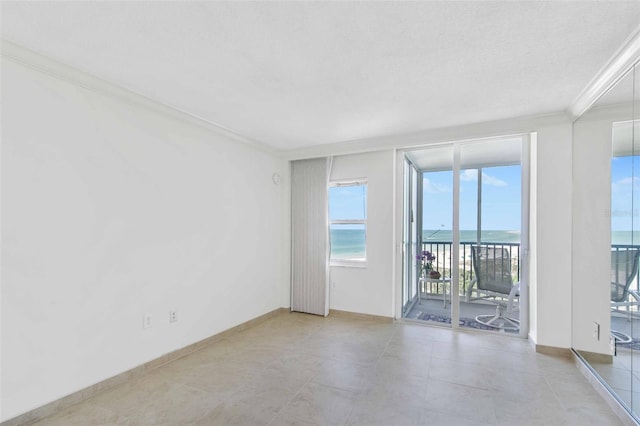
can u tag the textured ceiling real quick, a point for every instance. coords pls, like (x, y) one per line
(296, 74)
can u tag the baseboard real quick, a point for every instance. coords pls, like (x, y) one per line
(616, 406)
(357, 315)
(553, 351)
(597, 357)
(65, 402)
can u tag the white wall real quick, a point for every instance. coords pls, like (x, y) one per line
(110, 211)
(592, 232)
(550, 273)
(368, 290)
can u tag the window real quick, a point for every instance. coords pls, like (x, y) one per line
(348, 221)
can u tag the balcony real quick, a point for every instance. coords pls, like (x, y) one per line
(442, 250)
(625, 318)
(426, 303)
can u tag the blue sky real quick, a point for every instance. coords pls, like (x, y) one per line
(500, 192)
(347, 202)
(624, 178)
(500, 199)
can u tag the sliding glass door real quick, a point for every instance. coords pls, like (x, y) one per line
(410, 238)
(434, 233)
(470, 261)
(490, 235)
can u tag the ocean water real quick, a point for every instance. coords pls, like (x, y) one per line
(625, 237)
(471, 236)
(351, 243)
(348, 243)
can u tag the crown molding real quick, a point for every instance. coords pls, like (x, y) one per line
(53, 68)
(490, 129)
(620, 63)
(36, 61)
(612, 113)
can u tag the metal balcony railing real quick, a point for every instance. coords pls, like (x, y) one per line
(443, 262)
(442, 251)
(624, 247)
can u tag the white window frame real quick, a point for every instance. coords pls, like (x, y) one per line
(355, 263)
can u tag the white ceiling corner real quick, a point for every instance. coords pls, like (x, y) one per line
(295, 75)
(615, 69)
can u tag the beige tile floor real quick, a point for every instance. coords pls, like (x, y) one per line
(297, 369)
(622, 376)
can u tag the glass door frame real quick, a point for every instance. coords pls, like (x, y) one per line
(410, 237)
(526, 140)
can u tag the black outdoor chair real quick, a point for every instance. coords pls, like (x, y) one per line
(493, 281)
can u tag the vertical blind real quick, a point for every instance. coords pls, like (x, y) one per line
(310, 236)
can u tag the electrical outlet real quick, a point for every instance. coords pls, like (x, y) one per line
(147, 321)
(596, 331)
(173, 316)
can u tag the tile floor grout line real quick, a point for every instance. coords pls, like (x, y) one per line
(226, 398)
(387, 352)
(275, 415)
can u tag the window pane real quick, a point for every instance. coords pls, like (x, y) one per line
(348, 241)
(437, 210)
(348, 202)
(500, 199)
